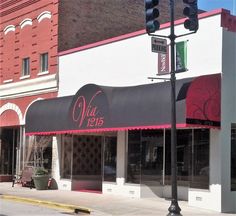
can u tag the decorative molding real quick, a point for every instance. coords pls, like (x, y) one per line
(24, 77)
(42, 84)
(26, 22)
(9, 28)
(11, 7)
(43, 73)
(8, 81)
(44, 15)
(14, 107)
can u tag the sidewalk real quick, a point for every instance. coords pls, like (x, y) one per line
(101, 204)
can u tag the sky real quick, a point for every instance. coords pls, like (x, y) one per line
(214, 4)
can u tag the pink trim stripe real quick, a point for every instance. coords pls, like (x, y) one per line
(99, 130)
(138, 33)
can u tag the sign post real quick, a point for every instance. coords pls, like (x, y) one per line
(159, 45)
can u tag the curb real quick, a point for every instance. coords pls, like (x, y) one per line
(75, 209)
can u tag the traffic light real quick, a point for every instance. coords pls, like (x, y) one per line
(152, 13)
(191, 11)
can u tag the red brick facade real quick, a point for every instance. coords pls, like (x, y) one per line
(28, 28)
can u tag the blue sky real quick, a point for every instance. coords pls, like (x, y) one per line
(214, 4)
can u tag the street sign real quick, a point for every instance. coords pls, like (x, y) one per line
(159, 45)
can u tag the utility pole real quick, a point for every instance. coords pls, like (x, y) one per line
(152, 25)
(174, 208)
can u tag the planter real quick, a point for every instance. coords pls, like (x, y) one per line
(41, 182)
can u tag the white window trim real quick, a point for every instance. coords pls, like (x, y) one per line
(8, 81)
(9, 28)
(26, 22)
(44, 15)
(24, 77)
(43, 73)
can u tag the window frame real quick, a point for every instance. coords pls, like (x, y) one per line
(25, 71)
(44, 62)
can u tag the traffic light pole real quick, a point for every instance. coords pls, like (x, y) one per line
(174, 209)
(153, 25)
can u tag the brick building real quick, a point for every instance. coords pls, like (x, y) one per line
(28, 72)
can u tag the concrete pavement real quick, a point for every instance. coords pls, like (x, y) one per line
(98, 204)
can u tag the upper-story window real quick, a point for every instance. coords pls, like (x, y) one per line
(44, 62)
(25, 66)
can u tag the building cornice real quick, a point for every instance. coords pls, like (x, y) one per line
(29, 87)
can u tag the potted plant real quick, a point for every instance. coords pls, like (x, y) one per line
(41, 178)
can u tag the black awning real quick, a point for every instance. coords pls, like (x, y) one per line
(48, 115)
(102, 108)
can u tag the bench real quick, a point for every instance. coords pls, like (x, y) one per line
(25, 179)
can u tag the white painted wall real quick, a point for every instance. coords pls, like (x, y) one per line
(130, 61)
(220, 197)
(228, 113)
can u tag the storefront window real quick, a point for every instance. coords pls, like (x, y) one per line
(66, 156)
(233, 157)
(110, 147)
(43, 152)
(184, 145)
(38, 152)
(200, 160)
(184, 148)
(134, 157)
(145, 157)
(151, 157)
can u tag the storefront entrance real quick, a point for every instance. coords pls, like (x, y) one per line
(87, 163)
(9, 143)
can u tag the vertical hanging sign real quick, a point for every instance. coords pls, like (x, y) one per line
(163, 62)
(181, 56)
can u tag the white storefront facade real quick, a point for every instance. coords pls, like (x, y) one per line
(128, 61)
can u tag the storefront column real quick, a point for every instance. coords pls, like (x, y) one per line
(121, 155)
(20, 151)
(55, 158)
(228, 197)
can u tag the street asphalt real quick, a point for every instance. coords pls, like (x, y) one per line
(97, 204)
